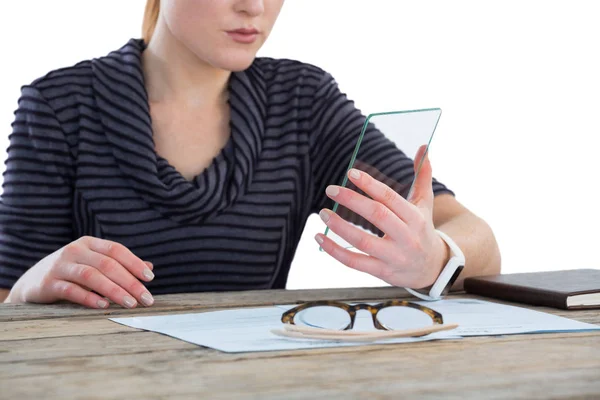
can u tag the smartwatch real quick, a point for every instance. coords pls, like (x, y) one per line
(449, 273)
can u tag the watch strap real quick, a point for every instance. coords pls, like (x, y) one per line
(449, 273)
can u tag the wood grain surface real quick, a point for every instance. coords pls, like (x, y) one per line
(65, 351)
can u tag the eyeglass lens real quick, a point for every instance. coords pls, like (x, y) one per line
(393, 318)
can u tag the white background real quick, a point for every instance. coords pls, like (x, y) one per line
(518, 83)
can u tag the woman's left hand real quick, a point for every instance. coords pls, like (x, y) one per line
(410, 254)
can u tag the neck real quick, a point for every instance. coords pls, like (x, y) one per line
(173, 73)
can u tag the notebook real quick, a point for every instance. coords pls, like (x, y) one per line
(568, 289)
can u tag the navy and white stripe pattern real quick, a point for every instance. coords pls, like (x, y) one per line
(81, 161)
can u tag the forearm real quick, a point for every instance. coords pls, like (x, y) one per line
(476, 239)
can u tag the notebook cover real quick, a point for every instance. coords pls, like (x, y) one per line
(550, 288)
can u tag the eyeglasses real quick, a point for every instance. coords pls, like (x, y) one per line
(334, 320)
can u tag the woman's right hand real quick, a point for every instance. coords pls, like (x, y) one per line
(82, 267)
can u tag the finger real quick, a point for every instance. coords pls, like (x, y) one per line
(75, 294)
(422, 192)
(118, 274)
(123, 256)
(150, 265)
(88, 276)
(373, 211)
(357, 261)
(366, 242)
(382, 193)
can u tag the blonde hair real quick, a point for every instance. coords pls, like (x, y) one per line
(150, 19)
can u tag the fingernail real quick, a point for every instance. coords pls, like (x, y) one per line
(319, 239)
(129, 302)
(354, 173)
(324, 215)
(148, 274)
(147, 299)
(332, 191)
(102, 303)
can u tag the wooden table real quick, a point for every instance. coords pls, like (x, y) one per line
(64, 351)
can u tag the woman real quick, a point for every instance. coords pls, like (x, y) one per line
(182, 163)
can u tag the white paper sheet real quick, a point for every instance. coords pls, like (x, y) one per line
(249, 329)
(483, 318)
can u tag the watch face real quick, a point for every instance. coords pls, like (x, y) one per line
(453, 279)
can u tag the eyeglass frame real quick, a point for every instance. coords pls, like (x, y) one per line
(288, 316)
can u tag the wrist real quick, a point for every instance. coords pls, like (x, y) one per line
(443, 255)
(448, 274)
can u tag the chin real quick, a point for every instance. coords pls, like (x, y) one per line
(234, 61)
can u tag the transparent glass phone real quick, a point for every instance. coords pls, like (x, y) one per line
(408, 131)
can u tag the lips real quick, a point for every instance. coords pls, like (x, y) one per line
(244, 35)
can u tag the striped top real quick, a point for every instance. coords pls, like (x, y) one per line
(82, 161)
